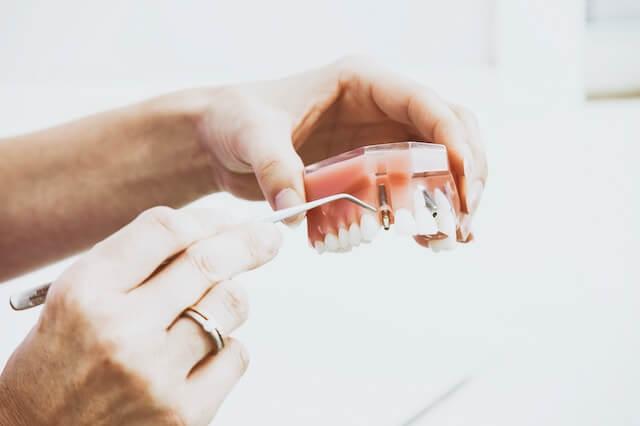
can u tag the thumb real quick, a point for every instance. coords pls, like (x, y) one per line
(278, 168)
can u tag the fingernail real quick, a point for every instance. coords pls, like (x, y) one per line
(289, 198)
(474, 193)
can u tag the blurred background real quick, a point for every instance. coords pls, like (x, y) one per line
(538, 318)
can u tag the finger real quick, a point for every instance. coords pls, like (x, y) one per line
(276, 164)
(205, 264)
(476, 170)
(213, 378)
(226, 306)
(131, 255)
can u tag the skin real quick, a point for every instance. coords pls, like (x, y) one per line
(68, 187)
(104, 353)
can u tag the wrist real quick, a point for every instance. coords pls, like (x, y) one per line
(176, 121)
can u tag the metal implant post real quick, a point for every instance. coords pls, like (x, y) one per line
(429, 203)
(385, 210)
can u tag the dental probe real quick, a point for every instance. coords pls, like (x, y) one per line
(37, 295)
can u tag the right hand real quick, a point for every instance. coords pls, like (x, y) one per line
(111, 346)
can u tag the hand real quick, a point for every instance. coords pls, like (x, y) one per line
(261, 134)
(111, 346)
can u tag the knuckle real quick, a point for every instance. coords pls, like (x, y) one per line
(203, 262)
(181, 228)
(161, 216)
(71, 296)
(235, 301)
(262, 242)
(268, 167)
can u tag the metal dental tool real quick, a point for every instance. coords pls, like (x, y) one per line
(37, 295)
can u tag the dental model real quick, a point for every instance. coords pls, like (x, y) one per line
(409, 183)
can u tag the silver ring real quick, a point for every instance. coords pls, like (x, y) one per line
(205, 323)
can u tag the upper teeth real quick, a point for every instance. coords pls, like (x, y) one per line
(421, 222)
(331, 242)
(355, 236)
(446, 223)
(343, 239)
(368, 227)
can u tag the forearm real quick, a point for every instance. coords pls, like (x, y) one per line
(67, 187)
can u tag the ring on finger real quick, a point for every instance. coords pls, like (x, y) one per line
(207, 325)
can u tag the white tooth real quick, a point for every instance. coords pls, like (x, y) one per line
(343, 239)
(446, 223)
(425, 222)
(331, 242)
(319, 245)
(404, 222)
(354, 235)
(369, 227)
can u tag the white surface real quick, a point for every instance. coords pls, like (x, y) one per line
(612, 62)
(116, 43)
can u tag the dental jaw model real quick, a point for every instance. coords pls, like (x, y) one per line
(409, 183)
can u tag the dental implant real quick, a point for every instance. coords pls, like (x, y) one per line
(429, 203)
(385, 209)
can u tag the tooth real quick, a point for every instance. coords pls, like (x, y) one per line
(319, 245)
(331, 242)
(355, 236)
(404, 222)
(369, 227)
(446, 223)
(425, 222)
(343, 239)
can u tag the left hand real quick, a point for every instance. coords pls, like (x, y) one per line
(261, 134)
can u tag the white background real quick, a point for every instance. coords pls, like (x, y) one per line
(541, 312)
